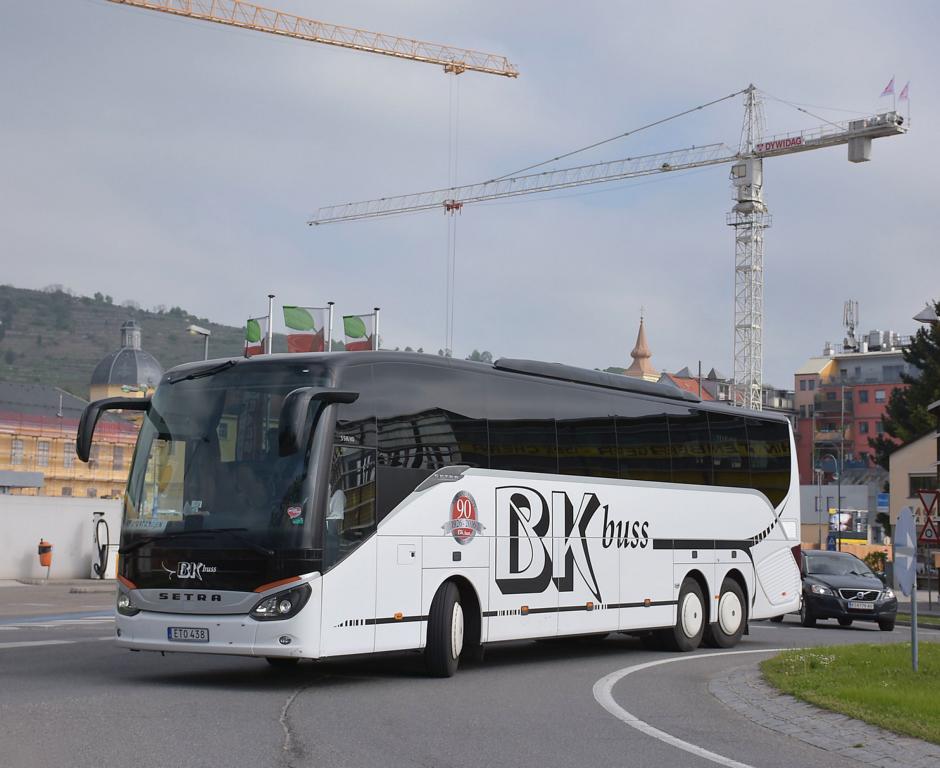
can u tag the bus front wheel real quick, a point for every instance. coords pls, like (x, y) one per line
(727, 631)
(445, 632)
(686, 635)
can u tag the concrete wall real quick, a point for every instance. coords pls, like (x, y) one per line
(64, 522)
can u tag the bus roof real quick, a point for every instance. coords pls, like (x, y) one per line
(534, 368)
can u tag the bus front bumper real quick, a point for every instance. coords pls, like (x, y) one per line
(231, 635)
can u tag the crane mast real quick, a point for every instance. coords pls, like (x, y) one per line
(748, 218)
(249, 16)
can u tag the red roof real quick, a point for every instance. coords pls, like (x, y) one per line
(689, 385)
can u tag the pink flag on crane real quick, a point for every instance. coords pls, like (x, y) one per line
(904, 92)
(889, 89)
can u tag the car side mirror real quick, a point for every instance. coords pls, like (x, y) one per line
(293, 433)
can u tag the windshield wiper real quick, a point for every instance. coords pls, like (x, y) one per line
(212, 371)
(232, 532)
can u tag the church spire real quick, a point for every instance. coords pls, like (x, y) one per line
(641, 367)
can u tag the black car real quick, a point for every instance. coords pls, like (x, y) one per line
(837, 585)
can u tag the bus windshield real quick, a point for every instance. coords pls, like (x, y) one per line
(207, 460)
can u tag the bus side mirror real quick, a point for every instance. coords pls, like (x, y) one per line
(292, 433)
(93, 411)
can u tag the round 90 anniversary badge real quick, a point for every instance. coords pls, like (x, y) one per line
(463, 524)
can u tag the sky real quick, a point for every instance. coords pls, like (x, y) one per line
(175, 162)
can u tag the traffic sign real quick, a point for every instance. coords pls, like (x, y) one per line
(929, 500)
(929, 534)
(905, 553)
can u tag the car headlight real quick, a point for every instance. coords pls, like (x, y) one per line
(283, 605)
(888, 594)
(819, 589)
(125, 605)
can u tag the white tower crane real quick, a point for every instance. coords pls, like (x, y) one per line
(748, 217)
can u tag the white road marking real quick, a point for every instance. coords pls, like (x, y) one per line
(37, 643)
(603, 694)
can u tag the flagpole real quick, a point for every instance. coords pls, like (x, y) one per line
(329, 337)
(375, 341)
(270, 348)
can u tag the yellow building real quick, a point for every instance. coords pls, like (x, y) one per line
(39, 424)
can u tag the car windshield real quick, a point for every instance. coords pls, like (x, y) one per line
(207, 460)
(836, 564)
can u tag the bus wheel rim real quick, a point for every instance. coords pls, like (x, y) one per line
(456, 631)
(729, 613)
(691, 615)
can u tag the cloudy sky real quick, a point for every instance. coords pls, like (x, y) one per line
(175, 162)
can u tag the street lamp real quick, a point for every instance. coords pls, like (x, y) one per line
(838, 474)
(198, 330)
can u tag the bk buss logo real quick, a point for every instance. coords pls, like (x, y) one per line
(189, 570)
(527, 525)
(463, 524)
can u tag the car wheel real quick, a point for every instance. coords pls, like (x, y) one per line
(845, 622)
(886, 625)
(445, 632)
(806, 617)
(686, 635)
(776, 619)
(727, 631)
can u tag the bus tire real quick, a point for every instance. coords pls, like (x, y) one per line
(732, 615)
(445, 632)
(686, 635)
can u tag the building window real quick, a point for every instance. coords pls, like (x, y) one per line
(879, 395)
(802, 385)
(802, 411)
(812, 385)
(830, 395)
(68, 455)
(118, 454)
(93, 455)
(66, 490)
(863, 395)
(921, 483)
(92, 493)
(42, 453)
(809, 409)
(116, 493)
(16, 451)
(863, 427)
(879, 428)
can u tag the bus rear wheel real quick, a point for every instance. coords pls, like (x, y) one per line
(727, 631)
(686, 635)
(445, 632)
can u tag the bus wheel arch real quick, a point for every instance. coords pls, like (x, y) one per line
(472, 615)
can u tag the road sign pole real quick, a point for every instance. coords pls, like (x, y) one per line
(914, 625)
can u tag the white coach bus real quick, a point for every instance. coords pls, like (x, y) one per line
(314, 506)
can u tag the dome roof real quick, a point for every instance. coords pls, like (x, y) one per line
(129, 365)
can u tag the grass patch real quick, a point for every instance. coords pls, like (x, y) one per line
(933, 621)
(874, 683)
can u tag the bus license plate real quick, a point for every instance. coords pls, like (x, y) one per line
(188, 634)
(861, 605)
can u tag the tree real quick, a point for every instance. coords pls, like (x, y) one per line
(906, 417)
(480, 357)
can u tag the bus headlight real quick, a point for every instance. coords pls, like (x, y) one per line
(125, 606)
(283, 605)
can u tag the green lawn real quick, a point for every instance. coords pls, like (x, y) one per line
(874, 683)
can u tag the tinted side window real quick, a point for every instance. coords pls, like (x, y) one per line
(729, 450)
(522, 425)
(428, 417)
(355, 422)
(587, 447)
(689, 447)
(351, 509)
(643, 440)
(768, 445)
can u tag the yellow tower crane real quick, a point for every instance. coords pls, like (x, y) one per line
(236, 13)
